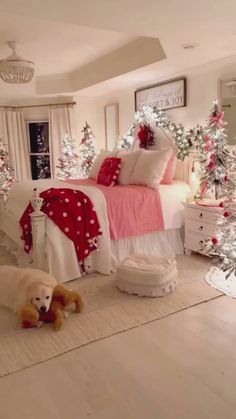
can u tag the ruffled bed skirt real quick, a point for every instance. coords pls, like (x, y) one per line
(162, 243)
(166, 243)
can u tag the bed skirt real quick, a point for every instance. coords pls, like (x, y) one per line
(166, 243)
(161, 243)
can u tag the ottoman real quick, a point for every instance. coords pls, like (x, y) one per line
(149, 276)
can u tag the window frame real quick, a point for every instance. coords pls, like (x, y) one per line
(38, 121)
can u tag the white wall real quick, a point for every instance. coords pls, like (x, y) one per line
(202, 89)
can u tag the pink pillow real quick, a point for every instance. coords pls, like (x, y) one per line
(109, 172)
(170, 171)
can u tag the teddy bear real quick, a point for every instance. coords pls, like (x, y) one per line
(62, 298)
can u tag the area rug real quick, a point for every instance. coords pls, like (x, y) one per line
(107, 312)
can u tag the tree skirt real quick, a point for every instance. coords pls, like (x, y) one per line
(216, 278)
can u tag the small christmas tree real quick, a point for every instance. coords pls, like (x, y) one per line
(213, 154)
(69, 161)
(222, 247)
(6, 172)
(87, 150)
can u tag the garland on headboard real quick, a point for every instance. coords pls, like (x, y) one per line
(154, 116)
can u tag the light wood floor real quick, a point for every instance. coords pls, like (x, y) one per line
(180, 367)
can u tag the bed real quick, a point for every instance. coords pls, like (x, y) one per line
(54, 252)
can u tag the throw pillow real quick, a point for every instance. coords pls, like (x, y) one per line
(129, 160)
(98, 162)
(150, 167)
(109, 172)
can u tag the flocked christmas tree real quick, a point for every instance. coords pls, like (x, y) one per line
(87, 150)
(6, 172)
(213, 155)
(222, 246)
(69, 160)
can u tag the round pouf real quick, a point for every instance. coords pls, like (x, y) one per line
(147, 276)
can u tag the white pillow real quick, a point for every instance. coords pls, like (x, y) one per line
(98, 162)
(129, 160)
(150, 167)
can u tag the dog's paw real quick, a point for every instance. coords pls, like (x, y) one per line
(39, 324)
(57, 325)
(66, 314)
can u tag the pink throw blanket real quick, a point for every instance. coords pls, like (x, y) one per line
(132, 210)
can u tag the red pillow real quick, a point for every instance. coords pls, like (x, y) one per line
(109, 172)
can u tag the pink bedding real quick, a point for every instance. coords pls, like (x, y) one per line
(132, 210)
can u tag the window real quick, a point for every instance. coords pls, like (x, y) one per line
(39, 150)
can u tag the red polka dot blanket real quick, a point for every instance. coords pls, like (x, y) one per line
(72, 211)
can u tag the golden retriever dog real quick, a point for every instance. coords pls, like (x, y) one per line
(22, 286)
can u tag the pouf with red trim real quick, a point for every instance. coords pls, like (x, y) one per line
(148, 276)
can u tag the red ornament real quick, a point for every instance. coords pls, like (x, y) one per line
(221, 205)
(226, 214)
(226, 178)
(214, 240)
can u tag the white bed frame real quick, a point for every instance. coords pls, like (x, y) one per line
(38, 218)
(38, 221)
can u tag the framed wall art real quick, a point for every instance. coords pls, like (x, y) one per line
(111, 125)
(167, 95)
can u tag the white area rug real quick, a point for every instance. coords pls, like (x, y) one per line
(216, 278)
(107, 312)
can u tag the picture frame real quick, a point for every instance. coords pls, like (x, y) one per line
(170, 94)
(111, 125)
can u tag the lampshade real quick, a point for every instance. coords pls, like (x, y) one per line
(15, 69)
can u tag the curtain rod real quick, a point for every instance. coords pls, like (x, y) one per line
(38, 106)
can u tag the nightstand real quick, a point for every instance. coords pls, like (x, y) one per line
(200, 224)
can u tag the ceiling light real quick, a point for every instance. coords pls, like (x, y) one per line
(189, 46)
(15, 69)
(232, 86)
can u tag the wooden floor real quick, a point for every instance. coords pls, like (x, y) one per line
(180, 367)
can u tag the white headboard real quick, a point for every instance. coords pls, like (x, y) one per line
(184, 168)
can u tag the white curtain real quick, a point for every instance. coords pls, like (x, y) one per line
(13, 134)
(61, 121)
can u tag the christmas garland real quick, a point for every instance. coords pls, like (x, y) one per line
(153, 116)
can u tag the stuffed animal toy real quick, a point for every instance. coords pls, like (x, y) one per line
(62, 298)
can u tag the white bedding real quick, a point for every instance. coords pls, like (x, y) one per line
(62, 260)
(61, 257)
(172, 197)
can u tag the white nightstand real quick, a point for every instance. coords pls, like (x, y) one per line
(200, 224)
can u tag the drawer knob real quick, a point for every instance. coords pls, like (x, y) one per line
(201, 228)
(200, 215)
(201, 242)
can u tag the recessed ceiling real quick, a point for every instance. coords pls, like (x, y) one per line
(62, 35)
(57, 47)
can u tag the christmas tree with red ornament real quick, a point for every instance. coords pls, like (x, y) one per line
(6, 172)
(222, 246)
(213, 155)
(87, 150)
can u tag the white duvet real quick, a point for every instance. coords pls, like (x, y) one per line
(61, 258)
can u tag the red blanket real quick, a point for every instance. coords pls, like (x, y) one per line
(72, 211)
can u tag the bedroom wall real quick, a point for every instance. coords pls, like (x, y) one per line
(202, 89)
